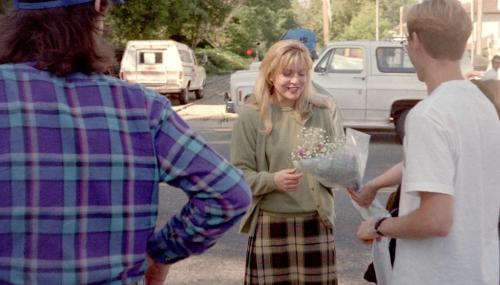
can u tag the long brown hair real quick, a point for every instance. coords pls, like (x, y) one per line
(58, 40)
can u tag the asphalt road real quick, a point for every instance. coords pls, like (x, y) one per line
(224, 263)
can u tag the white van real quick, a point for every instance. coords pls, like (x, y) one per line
(166, 66)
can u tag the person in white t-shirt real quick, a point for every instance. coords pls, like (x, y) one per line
(450, 200)
(493, 73)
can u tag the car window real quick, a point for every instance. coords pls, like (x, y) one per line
(150, 57)
(393, 60)
(347, 60)
(185, 57)
(322, 65)
(193, 58)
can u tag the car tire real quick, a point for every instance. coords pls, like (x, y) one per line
(184, 96)
(199, 93)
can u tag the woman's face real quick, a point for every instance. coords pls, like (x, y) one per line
(289, 84)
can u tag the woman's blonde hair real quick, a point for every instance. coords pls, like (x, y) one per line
(279, 57)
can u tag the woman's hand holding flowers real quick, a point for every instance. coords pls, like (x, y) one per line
(287, 179)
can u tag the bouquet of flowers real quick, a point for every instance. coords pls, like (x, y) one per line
(340, 162)
(336, 163)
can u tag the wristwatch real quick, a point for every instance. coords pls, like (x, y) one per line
(377, 225)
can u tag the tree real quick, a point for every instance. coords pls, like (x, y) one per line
(203, 17)
(343, 13)
(362, 25)
(139, 19)
(3, 5)
(390, 9)
(308, 15)
(189, 21)
(352, 19)
(258, 24)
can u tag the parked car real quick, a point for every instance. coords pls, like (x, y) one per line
(373, 82)
(168, 67)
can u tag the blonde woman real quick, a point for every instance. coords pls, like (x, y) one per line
(290, 222)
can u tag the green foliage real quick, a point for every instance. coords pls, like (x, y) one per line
(390, 9)
(275, 4)
(4, 5)
(258, 26)
(222, 61)
(343, 13)
(362, 25)
(189, 21)
(138, 20)
(238, 25)
(202, 18)
(351, 19)
(309, 15)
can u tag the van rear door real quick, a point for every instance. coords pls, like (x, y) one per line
(151, 66)
(173, 65)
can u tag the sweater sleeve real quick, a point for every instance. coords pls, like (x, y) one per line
(217, 194)
(337, 124)
(244, 154)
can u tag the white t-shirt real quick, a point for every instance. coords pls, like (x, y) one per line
(491, 75)
(452, 146)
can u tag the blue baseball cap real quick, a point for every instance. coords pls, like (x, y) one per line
(47, 4)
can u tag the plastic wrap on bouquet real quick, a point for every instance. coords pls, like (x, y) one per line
(382, 261)
(340, 168)
(338, 163)
(375, 210)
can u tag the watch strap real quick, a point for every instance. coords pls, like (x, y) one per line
(377, 225)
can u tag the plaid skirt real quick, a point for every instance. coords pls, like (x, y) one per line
(291, 250)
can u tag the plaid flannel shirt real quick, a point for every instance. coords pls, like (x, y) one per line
(81, 158)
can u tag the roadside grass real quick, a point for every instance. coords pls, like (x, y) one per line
(221, 61)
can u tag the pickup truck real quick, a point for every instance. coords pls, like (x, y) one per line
(373, 82)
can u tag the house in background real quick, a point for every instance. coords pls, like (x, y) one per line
(490, 32)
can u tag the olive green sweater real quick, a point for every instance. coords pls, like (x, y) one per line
(259, 156)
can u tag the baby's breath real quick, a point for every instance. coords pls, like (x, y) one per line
(315, 143)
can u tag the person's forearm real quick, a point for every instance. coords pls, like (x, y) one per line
(207, 215)
(434, 218)
(389, 178)
(366, 195)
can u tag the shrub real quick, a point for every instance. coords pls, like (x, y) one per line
(222, 61)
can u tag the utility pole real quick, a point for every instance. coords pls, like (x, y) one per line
(479, 33)
(377, 19)
(401, 21)
(474, 32)
(326, 21)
